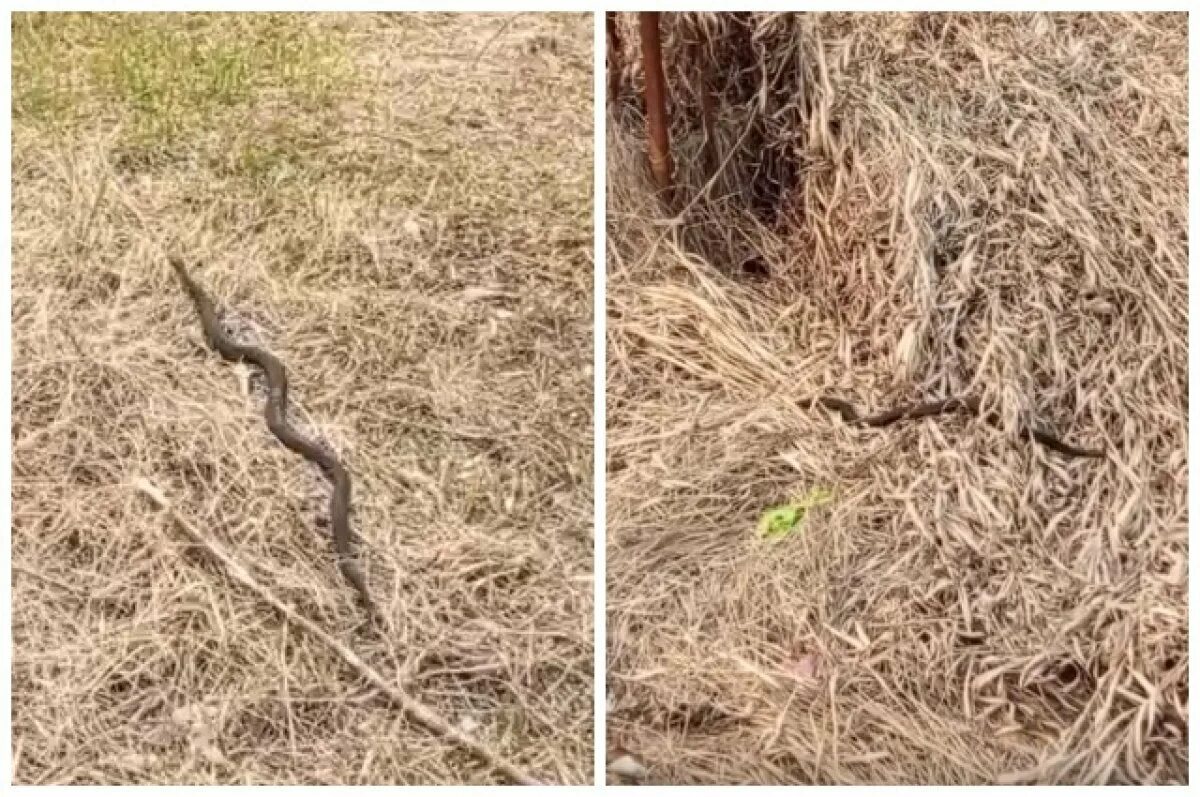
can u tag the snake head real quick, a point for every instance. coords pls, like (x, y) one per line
(189, 284)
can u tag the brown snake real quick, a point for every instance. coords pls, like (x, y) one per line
(926, 409)
(276, 417)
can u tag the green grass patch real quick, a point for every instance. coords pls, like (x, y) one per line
(161, 77)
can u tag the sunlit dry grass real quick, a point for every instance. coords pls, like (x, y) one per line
(912, 206)
(399, 206)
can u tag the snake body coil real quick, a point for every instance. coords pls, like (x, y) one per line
(276, 417)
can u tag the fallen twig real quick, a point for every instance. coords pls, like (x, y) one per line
(414, 708)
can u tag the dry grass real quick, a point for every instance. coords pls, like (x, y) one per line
(400, 207)
(945, 205)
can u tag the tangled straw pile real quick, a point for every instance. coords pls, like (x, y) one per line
(910, 206)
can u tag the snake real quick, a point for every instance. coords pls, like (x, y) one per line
(275, 413)
(969, 404)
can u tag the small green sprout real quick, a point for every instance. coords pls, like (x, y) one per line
(779, 522)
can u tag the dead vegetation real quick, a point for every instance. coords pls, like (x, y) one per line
(909, 207)
(400, 207)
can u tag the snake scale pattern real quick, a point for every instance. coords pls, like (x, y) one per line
(276, 416)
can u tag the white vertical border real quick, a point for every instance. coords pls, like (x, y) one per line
(6, 446)
(599, 380)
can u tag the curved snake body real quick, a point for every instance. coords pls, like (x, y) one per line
(926, 409)
(276, 417)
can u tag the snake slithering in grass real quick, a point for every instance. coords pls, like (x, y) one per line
(276, 417)
(971, 405)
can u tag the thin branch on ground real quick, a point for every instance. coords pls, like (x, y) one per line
(413, 707)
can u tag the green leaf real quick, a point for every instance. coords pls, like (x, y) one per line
(781, 521)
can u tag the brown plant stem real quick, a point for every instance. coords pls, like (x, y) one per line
(656, 101)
